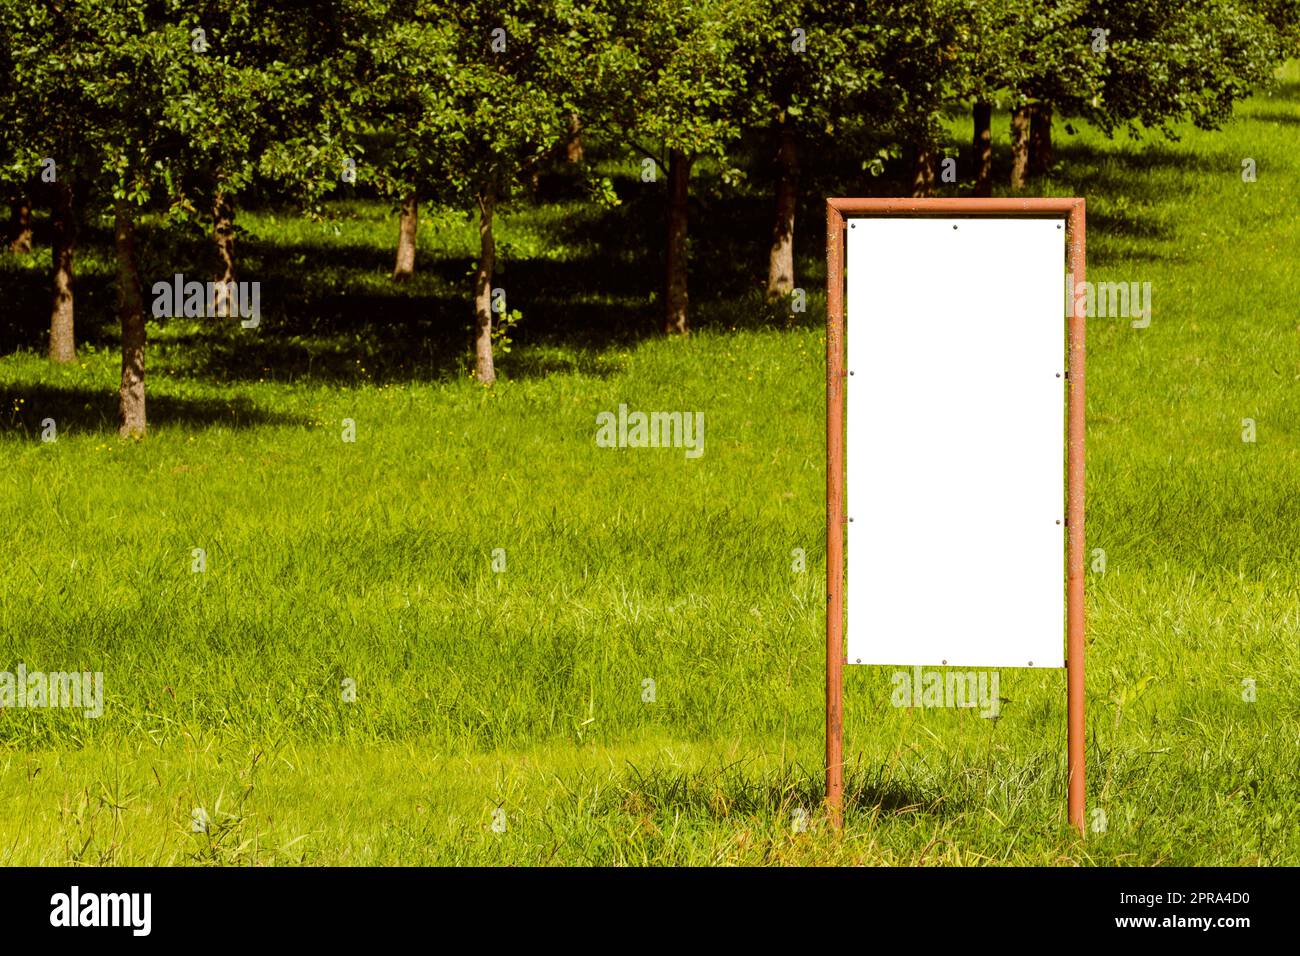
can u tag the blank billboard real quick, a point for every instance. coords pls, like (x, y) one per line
(955, 441)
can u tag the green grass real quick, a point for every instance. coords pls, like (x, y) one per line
(522, 690)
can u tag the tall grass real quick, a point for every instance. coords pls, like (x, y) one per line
(525, 689)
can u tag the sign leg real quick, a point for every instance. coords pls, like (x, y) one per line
(1075, 513)
(834, 517)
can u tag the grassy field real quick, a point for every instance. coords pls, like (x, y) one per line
(500, 716)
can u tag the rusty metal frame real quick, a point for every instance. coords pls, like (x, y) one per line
(1073, 210)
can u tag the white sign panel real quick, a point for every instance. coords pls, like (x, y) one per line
(955, 437)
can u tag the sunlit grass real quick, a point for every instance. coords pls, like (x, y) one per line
(523, 690)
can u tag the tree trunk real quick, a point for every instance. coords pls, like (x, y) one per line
(983, 144)
(130, 307)
(483, 367)
(780, 262)
(63, 342)
(223, 233)
(20, 236)
(676, 297)
(573, 151)
(407, 233)
(1019, 146)
(1040, 139)
(923, 163)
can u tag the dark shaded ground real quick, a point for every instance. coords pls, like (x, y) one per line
(319, 326)
(23, 408)
(731, 791)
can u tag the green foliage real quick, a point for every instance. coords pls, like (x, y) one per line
(1040, 50)
(814, 64)
(1170, 60)
(474, 96)
(680, 73)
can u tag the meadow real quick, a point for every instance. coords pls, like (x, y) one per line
(500, 592)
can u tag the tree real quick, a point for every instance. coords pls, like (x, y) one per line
(682, 88)
(166, 107)
(1050, 67)
(140, 65)
(920, 61)
(273, 96)
(477, 95)
(44, 102)
(19, 231)
(118, 101)
(407, 234)
(1132, 63)
(1170, 61)
(811, 64)
(988, 44)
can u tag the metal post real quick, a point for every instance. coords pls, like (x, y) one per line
(834, 516)
(1075, 519)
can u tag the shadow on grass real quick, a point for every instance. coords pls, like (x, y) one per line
(1288, 119)
(327, 319)
(729, 790)
(25, 292)
(24, 407)
(367, 337)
